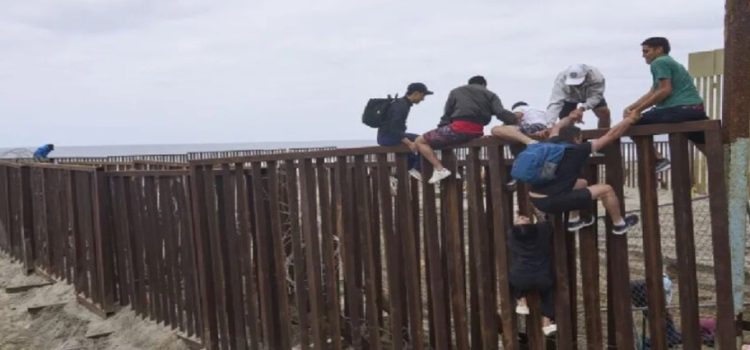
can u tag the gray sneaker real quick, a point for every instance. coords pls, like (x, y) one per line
(630, 221)
(580, 223)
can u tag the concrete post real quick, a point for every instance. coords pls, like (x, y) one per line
(736, 119)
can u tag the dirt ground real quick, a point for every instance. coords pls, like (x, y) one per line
(66, 324)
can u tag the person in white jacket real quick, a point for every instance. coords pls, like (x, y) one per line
(577, 89)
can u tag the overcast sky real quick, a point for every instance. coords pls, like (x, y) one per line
(91, 72)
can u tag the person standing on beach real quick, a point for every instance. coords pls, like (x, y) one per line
(673, 96)
(579, 88)
(41, 154)
(468, 109)
(393, 130)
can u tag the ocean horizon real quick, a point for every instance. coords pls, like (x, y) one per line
(126, 150)
(62, 151)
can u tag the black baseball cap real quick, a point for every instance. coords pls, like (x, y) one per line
(418, 87)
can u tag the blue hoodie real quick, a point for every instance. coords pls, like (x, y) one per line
(43, 151)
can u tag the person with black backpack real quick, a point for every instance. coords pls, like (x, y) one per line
(392, 114)
(553, 167)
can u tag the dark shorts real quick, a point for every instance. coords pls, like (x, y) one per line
(528, 129)
(677, 114)
(570, 106)
(445, 136)
(557, 204)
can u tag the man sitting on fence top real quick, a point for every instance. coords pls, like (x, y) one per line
(468, 109)
(393, 131)
(566, 191)
(672, 94)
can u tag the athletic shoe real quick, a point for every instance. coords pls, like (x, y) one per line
(522, 309)
(580, 223)
(415, 174)
(438, 175)
(630, 221)
(549, 330)
(663, 165)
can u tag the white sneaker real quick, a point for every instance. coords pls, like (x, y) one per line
(394, 185)
(415, 174)
(549, 330)
(522, 309)
(438, 175)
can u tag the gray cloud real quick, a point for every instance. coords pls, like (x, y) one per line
(124, 72)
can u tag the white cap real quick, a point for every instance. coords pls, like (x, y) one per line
(575, 74)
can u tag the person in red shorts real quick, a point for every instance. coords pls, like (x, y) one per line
(468, 109)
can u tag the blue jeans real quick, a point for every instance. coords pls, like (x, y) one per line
(677, 114)
(392, 140)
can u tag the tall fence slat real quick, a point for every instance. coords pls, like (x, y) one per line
(685, 242)
(720, 234)
(651, 242)
(393, 264)
(618, 292)
(330, 281)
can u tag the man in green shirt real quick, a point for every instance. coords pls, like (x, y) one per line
(673, 95)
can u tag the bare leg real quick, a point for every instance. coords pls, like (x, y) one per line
(426, 151)
(609, 199)
(511, 133)
(604, 117)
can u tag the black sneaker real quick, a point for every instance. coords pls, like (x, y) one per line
(580, 223)
(630, 221)
(663, 165)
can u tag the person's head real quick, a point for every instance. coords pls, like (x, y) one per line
(478, 80)
(575, 74)
(416, 92)
(50, 146)
(671, 270)
(571, 134)
(654, 47)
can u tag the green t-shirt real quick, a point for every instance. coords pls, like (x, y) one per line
(684, 92)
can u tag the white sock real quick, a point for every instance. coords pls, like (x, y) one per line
(620, 223)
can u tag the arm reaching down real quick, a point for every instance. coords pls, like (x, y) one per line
(654, 96)
(564, 122)
(614, 133)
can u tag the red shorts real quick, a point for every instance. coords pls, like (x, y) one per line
(446, 136)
